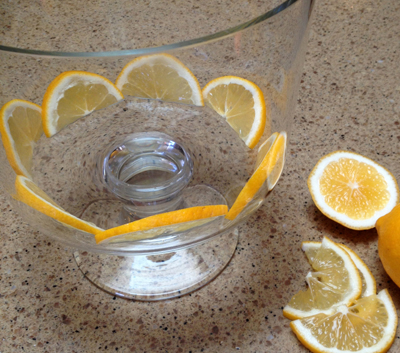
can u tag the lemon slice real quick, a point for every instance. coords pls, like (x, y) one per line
(368, 326)
(137, 230)
(160, 76)
(388, 228)
(367, 279)
(74, 94)
(335, 281)
(20, 127)
(29, 193)
(148, 233)
(241, 103)
(271, 154)
(352, 190)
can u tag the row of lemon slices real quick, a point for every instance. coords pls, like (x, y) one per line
(74, 94)
(340, 311)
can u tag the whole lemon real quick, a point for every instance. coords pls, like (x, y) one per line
(388, 227)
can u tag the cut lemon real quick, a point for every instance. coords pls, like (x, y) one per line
(352, 190)
(127, 231)
(336, 281)
(160, 76)
(367, 279)
(368, 326)
(271, 155)
(310, 248)
(241, 103)
(388, 228)
(29, 193)
(73, 94)
(20, 127)
(148, 233)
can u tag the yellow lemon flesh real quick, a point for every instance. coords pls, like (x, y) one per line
(74, 94)
(310, 248)
(160, 76)
(334, 281)
(241, 103)
(368, 326)
(352, 189)
(21, 128)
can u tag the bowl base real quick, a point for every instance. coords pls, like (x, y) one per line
(159, 276)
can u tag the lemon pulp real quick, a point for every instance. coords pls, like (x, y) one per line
(82, 99)
(354, 188)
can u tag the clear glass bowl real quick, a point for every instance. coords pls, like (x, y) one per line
(206, 161)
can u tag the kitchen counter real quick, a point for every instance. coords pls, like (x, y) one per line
(349, 99)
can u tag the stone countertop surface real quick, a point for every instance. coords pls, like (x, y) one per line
(349, 99)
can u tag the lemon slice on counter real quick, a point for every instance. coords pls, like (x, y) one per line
(335, 281)
(179, 220)
(29, 193)
(160, 76)
(368, 326)
(20, 127)
(271, 154)
(74, 94)
(310, 248)
(352, 190)
(241, 103)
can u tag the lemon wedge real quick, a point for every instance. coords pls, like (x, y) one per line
(368, 326)
(335, 281)
(368, 282)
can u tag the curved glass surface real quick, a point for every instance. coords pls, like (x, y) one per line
(213, 20)
(51, 37)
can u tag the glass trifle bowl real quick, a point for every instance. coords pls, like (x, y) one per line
(141, 135)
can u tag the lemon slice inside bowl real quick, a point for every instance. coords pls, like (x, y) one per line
(21, 128)
(160, 76)
(241, 103)
(269, 164)
(74, 94)
(29, 193)
(174, 221)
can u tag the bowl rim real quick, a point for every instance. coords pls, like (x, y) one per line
(152, 50)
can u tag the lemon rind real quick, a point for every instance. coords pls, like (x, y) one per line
(363, 268)
(160, 220)
(256, 181)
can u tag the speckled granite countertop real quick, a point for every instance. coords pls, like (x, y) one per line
(349, 99)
